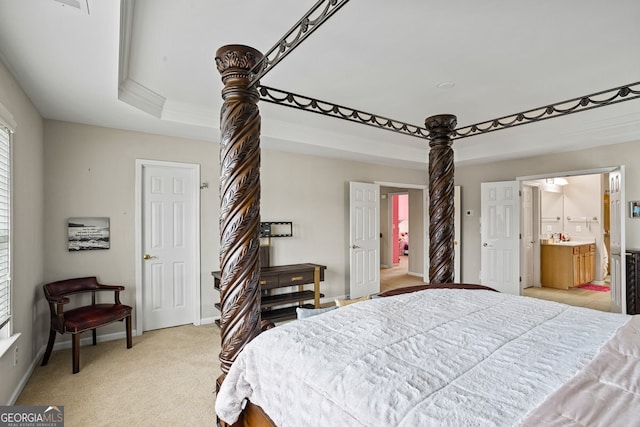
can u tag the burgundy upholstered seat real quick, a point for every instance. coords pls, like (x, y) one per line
(84, 318)
(90, 317)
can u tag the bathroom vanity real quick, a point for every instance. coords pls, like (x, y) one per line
(564, 265)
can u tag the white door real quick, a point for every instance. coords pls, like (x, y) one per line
(500, 242)
(617, 218)
(170, 216)
(364, 230)
(456, 234)
(528, 237)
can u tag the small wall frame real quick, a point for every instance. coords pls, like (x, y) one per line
(634, 209)
(86, 234)
(276, 229)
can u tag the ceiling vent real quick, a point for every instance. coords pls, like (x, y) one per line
(81, 5)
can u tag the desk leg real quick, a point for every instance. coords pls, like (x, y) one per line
(300, 289)
(316, 287)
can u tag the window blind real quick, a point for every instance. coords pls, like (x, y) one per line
(5, 225)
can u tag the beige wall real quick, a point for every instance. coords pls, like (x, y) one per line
(583, 198)
(470, 177)
(30, 315)
(90, 171)
(64, 169)
(313, 192)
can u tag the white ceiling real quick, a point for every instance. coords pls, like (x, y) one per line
(156, 72)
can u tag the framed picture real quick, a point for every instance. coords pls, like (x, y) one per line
(634, 209)
(88, 233)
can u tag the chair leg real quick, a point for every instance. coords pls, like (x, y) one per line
(75, 349)
(47, 352)
(128, 326)
(93, 333)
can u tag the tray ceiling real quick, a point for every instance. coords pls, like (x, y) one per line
(149, 65)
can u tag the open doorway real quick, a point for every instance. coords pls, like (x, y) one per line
(403, 241)
(399, 231)
(565, 249)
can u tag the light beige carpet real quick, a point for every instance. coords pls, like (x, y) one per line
(167, 378)
(398, 277)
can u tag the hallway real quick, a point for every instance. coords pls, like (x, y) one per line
(396, 277)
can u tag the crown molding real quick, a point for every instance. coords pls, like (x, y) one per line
(6, 119)
(180, 112)
(619, 124)
(129, 90)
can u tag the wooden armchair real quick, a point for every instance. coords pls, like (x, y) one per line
(80, 319)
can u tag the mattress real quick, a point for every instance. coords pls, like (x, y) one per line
(435, 357)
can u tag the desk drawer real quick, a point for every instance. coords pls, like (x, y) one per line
(269, 282)
(296, 278)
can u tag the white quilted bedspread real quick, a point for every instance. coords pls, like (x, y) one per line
(439, 357)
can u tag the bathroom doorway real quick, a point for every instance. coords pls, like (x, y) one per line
(568, 210)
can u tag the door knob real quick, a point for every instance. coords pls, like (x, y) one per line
(485, 244)
(355, 247)
(147, 256)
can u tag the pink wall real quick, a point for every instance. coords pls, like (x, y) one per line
(399, 213)
(403, 206)
(395, 256)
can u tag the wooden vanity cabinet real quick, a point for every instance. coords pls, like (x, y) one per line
(567, 266)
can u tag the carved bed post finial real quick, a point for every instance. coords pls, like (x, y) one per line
(239, 203)
(441, 198)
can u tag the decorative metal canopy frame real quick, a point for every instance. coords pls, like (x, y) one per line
(301, 102)
(241, 68)
(300, 31)
(557, 109)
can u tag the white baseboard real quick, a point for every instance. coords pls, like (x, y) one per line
(25, 378)
(209, 320)
(332, 299)
(411, 273)
(88, 340)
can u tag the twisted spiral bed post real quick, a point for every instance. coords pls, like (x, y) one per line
(441, 198)
(239, 203)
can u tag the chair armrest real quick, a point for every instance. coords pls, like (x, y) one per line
(56, 306)
(115, 288)
(110, 288)
(56, 299)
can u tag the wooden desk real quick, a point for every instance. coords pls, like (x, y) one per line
(284, 276)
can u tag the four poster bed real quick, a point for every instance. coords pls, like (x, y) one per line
(440, 354)
(435, 357)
